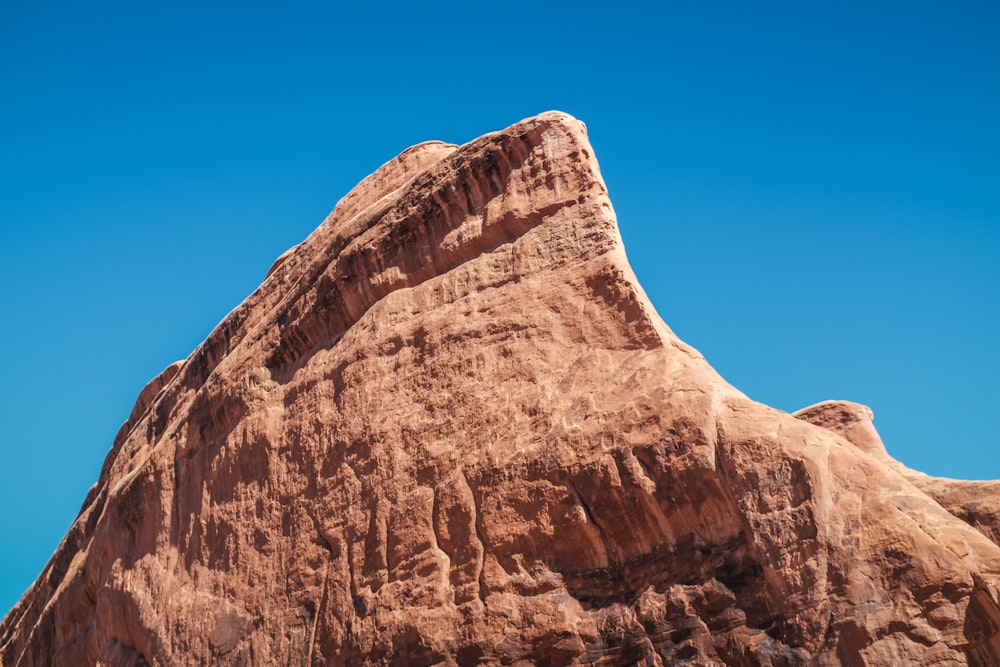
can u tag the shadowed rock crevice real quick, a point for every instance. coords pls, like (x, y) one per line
(449, 428)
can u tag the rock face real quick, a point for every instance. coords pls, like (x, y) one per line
(449, 428)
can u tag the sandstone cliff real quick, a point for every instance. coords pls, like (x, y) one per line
(449, 428)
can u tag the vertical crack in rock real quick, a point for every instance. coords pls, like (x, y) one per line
(450, 428)
(318, 615)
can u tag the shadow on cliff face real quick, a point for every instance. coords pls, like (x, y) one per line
(647, 541)
(982, 628)
(651, 513)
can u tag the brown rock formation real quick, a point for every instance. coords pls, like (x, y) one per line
(449, 428)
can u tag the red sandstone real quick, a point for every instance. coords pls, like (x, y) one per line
(449, 428)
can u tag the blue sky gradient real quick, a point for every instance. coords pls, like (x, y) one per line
(809, 193)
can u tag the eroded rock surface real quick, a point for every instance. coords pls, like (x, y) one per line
(449, 428)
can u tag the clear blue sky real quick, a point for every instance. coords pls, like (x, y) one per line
(809, 192)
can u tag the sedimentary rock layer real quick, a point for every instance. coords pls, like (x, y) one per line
(449, 428)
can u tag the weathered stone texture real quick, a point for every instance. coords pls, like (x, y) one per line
(449, 428)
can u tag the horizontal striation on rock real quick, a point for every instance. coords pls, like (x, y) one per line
(450, 428)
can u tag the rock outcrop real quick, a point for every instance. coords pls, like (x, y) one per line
(449, 428)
